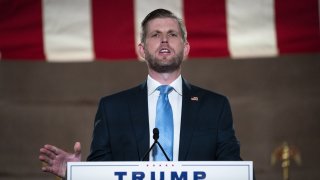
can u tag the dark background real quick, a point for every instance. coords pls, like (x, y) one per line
(273, 100)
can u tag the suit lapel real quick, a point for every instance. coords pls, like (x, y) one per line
(140, 121)
(190, 105)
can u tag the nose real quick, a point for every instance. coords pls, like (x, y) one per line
(164, 39)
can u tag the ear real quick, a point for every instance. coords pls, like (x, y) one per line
(141, 51)
(186, 50)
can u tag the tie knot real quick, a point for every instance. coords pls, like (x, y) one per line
(165, 89)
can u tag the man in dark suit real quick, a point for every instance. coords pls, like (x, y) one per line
(202, 120)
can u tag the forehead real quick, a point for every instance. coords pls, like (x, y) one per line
(163, 24)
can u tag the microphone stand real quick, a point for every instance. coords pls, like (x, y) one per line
(165, 154)
(155, 137)
(147, 153)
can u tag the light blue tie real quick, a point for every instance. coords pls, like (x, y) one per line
(164, 122)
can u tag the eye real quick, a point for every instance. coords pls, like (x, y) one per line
(155, 35)
(173, 34)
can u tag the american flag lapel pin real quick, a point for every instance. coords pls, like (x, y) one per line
(194, 98)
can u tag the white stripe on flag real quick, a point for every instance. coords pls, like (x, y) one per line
(67, 30)
(144, 7)
(251, 28)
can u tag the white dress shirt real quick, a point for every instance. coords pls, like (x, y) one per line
(175, 99)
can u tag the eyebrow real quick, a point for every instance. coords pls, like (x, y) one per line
(170, 31)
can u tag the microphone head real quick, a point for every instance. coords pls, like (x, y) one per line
(155, 134)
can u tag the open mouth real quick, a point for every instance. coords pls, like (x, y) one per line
(164, 51)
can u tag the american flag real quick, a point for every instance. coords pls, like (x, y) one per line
(90, 30)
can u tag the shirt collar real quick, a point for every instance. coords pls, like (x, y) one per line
(153, 85)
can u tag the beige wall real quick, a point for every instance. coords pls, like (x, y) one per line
(273, 100)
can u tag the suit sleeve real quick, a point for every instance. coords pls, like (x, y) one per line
(100, 149)
(228, 146)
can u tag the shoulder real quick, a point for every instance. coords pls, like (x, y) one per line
(124, 95)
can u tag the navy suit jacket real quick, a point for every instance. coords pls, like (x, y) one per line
(121, 127)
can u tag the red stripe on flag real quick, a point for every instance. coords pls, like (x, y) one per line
(206, 25)
(21, 34)
(113, 29)
(297, 25)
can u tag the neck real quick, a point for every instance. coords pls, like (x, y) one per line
(165, 78)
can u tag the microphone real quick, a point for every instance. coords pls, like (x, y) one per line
(155, 134)
(155, 138)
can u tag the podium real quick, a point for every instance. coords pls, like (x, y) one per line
(166, 170)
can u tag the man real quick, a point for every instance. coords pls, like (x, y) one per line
(201, 120)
